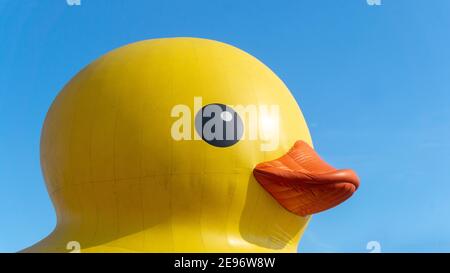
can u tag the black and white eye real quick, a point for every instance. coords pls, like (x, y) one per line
(219, 125)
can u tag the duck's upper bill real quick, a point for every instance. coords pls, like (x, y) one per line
(303, 183)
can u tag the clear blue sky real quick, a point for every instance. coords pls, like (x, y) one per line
(373, 83)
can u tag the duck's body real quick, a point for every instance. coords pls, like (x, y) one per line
(121, 182)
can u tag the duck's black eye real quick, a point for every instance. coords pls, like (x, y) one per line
(219, 125)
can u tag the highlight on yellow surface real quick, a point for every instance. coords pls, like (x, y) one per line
(121, 182)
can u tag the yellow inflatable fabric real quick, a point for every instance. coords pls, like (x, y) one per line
(121, 182)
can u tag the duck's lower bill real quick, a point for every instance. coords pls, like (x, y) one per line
(303, 183)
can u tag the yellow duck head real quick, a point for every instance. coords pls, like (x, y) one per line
(136, 159)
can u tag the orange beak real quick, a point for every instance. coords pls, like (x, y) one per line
(303, 183)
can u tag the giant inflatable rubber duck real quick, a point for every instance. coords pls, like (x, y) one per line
(182, 145)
